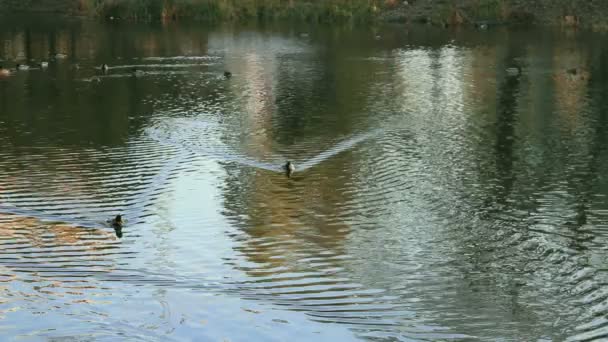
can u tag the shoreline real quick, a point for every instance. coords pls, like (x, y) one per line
(442, 13)
(538, 13)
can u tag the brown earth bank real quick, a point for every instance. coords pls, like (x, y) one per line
(481, 13)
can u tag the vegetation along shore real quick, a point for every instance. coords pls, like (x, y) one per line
(569, 13)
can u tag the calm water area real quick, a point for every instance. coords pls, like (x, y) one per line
(450, 185)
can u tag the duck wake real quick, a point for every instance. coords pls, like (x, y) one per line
(205, 139)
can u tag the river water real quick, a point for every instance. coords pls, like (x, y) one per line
(438, 194)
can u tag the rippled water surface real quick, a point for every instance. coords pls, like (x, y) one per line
(439, 194)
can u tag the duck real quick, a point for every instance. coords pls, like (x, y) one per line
(572, 71)
(22, 67)
(289, 168)
(43, 65)
(482, 25)
(60, 56)
(514, 71)
(137, 72)
(227, 74)
(104, 68)
(4, 71)
(117, 221)
(577, 74)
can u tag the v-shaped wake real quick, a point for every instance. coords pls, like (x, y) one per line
(188, 140)
(198, 137)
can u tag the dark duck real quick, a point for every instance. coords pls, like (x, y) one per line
(117, 225)
(117, 221)
(289, 169)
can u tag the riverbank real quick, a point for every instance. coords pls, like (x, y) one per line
(483, 13)
(235, 10)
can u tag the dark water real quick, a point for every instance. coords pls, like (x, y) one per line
(437, 195)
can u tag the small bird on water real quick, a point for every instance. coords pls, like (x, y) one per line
(227, 74)
(513, 71)
(137, 72)
(117, 221)
(572, 71)
(289, 168)
(117, 225)
(4, 71)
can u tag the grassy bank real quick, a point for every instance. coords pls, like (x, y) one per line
(459, 12)
(564, 13)
(571, 13)
(235, 10)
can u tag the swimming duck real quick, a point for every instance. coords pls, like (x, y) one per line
(289, 169)
(104, 68)
(117, 221)
(577, 74)
(514, 71)
(4, 71)
(22, 67)
(137, 72)
(60, 56)
(572, 71)
(482, 25)
(227, 74)
(43, 65)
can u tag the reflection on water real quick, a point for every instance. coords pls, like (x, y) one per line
(438, 194)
